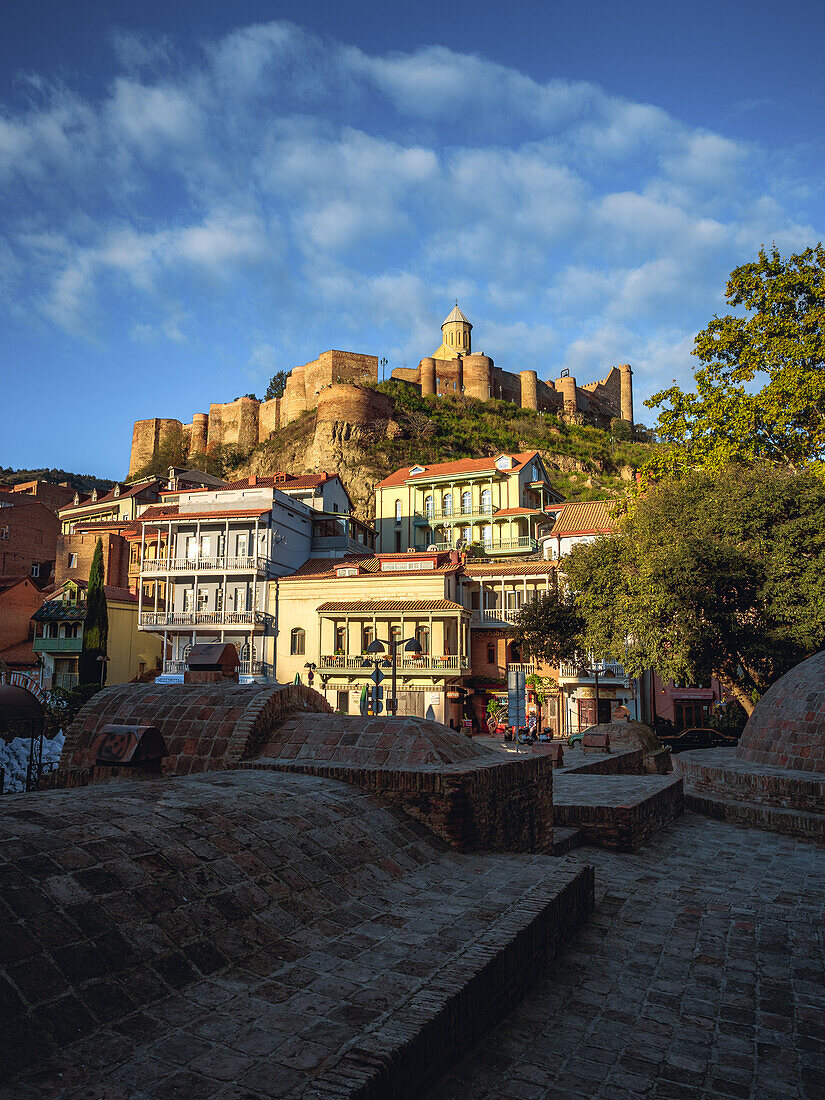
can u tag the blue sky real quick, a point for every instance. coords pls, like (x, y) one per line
(196, 194)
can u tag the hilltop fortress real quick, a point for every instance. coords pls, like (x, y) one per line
(335, 384)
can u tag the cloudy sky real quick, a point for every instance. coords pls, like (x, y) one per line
(194, 195)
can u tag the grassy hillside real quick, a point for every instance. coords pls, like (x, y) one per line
(82, 483)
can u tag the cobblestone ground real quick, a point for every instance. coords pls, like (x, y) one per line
(700, 975)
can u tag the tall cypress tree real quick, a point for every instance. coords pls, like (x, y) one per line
(96, 623)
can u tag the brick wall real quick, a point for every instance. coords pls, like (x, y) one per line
(787, 727)
(32, 536)
(82, 544)
(17, 605)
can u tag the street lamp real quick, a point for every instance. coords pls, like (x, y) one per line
(411, 645)
(310, 666)
(103, 662)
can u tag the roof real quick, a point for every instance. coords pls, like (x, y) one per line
(165, 512)
(274, 481)
(585, 518)
(390, 605)
(11, 582)
(21, 653)
(460, 466)
(456, 315)
(509, 568)
(369, 565)
(56, 609)
(126, 491)
(516, 512)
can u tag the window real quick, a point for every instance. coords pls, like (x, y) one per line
(398, 507)
(691, 712)
(35, 569)
(423, 638)
(206, 545)
(491, 653)
(72, 630)
(487, 501)
(297, 642)
(466, 503)
(51, 630)
(4, 532)
(191, 548)
(203, 599)
(428, 506)
(401, 565)
(367, 638)
(340, 639)
(188, 597)
(348, 571)
(239, 598)
(534, 472)
(219, 599)
(242, 545)
(72, 561)
(447, 504)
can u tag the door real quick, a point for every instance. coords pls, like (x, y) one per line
(411, 702)
(342, 702)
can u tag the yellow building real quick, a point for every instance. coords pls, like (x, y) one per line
(332, 609)
(59, 637)
(493, 504)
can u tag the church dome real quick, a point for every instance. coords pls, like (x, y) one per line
(456, 315)
(787, 727)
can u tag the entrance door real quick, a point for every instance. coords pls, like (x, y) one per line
(342, 704)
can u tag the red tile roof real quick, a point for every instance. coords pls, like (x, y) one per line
(277, 481)
(588, 517)
(517, 512)
(164, 512)
(390, 605)
(126, 491)
(461, 466)
(368, 565)
(21, 653)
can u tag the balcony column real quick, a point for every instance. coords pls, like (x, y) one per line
(524, 601)
(254, 554)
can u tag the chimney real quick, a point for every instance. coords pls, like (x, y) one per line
(253, 479)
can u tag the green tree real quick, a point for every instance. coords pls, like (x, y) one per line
(780, 341)
(549, 628)
(173, 450)
(717, 573)
(277, 385)
(96, 623)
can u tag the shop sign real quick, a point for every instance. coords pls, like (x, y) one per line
(453, 694)
(432, 698)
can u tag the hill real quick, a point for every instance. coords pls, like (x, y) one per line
(584, 463)
(81, 483)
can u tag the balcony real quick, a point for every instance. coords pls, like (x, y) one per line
(436, 515)
(57, 645)
(491, 547)
(495, 616)
(527, 667)
(246, 668)
(223, 564)
(607, 670)
(406, 663)
(150, 620)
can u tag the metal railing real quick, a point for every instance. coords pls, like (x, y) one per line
(201, 618)
(224, 563)
(437, 514)
(607, 670)
(492, 616)
(527, 667)
(424, 663)
(521, 543)
(245, 668)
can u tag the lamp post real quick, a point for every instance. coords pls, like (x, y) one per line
(310, 666)
(103, 662)
(411, 645)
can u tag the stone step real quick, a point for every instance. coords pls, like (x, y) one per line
(616, 811)
(565, 840)
(797, 823)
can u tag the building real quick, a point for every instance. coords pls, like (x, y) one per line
(492, 504)
(330, 610)
(59, 637)
(579, 522)
(53, 496)
(28, 537)
(20, 597)
(455, 369)
(337, 384)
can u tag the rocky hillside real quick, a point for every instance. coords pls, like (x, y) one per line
(584, 463)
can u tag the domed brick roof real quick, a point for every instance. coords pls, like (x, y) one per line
(787, 727)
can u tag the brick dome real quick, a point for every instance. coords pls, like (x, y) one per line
(787, 727)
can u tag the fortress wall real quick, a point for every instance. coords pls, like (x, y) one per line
(407, 374)
(352, 404)
(234, 424)
(147, 437)
(478, 376)
(198, 434)
(548, 399)
(506, 386)
(449, 376)
(294, 401)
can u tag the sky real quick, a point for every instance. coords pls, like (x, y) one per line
(196, 194)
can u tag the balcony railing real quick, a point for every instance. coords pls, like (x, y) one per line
(490, 546)
(57, 645)
(437, 515)
(246, 668)
(424, 663)
(495, 616)
(201, 618)
(607, 670)
(527, 667)
(222, 564)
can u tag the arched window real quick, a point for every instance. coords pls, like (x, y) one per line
(491, 653)
(340, 639)
(297, 642)
(367, 638)
(447, 504)
(428, 505)
(487, 501)
(535, 472)
(423, 638)
(398, 507)
(466, 502)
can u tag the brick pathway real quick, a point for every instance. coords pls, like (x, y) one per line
(700, 975)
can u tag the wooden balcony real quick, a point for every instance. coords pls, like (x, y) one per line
(151, 620)
(223, 564)
(406, 663)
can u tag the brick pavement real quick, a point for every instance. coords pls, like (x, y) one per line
(699, 975)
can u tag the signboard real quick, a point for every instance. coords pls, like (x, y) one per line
(170, 678)
(590, 692)
(453, 694)
(516, 685)
(432, 698)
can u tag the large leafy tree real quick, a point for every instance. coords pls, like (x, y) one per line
(549, 628)
(776, 340)
(96, 623)
(717, 573)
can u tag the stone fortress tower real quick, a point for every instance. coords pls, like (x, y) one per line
(338, 383)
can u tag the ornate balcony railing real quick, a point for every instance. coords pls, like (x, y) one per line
(608, 670)
(438, 515)
(222, 564)
(493, 546)
(246, 668)
(527, 667)
(495, 616)
(407, 663)
(57, 645)
(201, 618)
